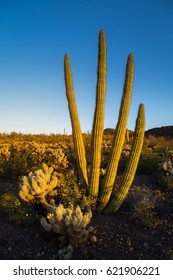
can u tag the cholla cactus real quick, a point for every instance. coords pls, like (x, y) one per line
(39, 184)
(56, 157)
(69, 222)
(167, 167)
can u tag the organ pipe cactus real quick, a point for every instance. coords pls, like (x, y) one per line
(132, 163)
(104, 203)
(98, 124)
(77, 134)
(119, 136)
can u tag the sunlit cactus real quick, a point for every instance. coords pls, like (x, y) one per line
(100, 195)
(70, 222)
(132, 163)
(98, 124)
(119, 136)
(77, 134)
(39, 184)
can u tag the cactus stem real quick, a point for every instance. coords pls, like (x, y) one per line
(132, 163)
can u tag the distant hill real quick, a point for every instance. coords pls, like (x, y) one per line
(163, 131)
(110, 131)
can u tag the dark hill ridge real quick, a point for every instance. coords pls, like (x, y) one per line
(110, 131)
(163, 131)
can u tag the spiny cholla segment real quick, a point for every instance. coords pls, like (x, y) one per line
(39, 184)
(67, 221)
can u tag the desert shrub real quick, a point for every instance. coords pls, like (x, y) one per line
(158, 145)
(148, 164)
(106, 151)
(122, 164)
(167, 182)
(71, 191)
(55, 158)
(16, 164)
(21, 157)
(42, 185)
(87, 143)
(17, 211)
(51, 154)
(4, 155)
(142, 203)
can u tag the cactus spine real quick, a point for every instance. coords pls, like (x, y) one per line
(119, 136)
(98, 124)
(131, 167)
(77, 134)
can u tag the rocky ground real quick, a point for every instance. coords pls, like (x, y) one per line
(143, 232)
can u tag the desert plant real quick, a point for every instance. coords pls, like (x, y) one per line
(119, 136)
(69, 223)
(20, 157)
(93, 186)
(98, 124)
(38, 185)
(148, 164)
(167, 167)
(77, 134)
(131, 166)
(166, 172)
(17, 211)
(65, 253)
(143, 203)
(71, 191)
(16, 163)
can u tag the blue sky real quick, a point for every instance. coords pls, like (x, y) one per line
(35, 35)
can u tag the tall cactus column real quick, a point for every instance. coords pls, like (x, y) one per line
(131, 167)
(98, 124)
(119, 137)
(77, 134)
(104, 202)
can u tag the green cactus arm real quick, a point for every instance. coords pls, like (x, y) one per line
(131, 167)
(98, 123)
(119, 137)
(77, 134)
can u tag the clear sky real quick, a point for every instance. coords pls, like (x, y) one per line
(35, 35)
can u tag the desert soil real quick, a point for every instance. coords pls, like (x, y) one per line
(119, 237)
